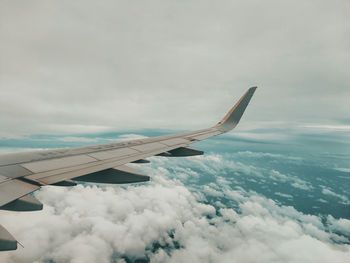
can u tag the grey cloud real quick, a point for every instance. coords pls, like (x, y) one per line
(86, 66)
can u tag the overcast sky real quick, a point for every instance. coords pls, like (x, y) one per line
(87, 66)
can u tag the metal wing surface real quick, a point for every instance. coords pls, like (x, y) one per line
(24, 173)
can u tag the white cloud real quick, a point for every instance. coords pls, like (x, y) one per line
(345, 170)
(229, 214)
(343, 198)
(16, 150)
(165, 222)
(261, 136)
(322, 200)
(330, 127)
(56, 128)
(284, 195)
(77, 139)
(213, 164)
(293, 180)
(270, 155)
(212, 192)
(276, 175)
(341, 225)
(162, 221)
(131, 136)
(301, 184)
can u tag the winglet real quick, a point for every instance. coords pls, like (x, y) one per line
(232, 118)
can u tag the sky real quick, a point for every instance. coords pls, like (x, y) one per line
(78, 73)
(87, 66)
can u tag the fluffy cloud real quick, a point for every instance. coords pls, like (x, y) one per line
(162, 221)
(341, 226)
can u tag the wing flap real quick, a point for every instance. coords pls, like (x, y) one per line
(14, 171)
(175, 141)
(14, 189)
(119, 175)
(52, 177)
(148, 147)
(104, 155)
(53, 164)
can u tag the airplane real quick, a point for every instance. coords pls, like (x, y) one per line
(23, 173)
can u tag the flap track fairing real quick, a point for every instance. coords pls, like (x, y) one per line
(119, 175)
(23, 204)
(141, 161)
(65, 183)
(182, 152)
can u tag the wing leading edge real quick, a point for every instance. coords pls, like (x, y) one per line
(22, 174)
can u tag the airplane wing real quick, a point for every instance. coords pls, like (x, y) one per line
(23, 173)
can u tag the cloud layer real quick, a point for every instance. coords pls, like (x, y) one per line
(163, 221)
(84, 66)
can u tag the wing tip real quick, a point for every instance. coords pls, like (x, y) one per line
(233, 117)
(253, 89)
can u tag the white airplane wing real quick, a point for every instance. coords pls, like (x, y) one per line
(24, 173)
